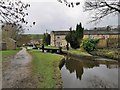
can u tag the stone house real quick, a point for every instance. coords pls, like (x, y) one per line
(7, 42)
(58, 38)
(108, 37)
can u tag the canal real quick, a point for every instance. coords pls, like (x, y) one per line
(82, 73)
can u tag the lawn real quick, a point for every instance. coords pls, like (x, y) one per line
(76, 51)
(52, 47)
(7, 54)
(45, 66)
(72, 51)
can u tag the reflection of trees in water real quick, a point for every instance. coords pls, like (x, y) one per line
(90, 64)
(77, 66)
(61, 64)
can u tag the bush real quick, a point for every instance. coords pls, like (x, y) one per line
(89, 44)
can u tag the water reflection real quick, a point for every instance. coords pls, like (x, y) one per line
(78, 66)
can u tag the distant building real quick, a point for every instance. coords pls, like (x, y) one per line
(7, 41)
(30, 39)
(36, 39)
(58, 38)
(108, 37)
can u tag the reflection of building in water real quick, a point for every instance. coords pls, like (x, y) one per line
(61, 64)
(79, 72)
(112, 66)
(109, 64)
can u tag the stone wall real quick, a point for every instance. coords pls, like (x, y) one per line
(3, 46)
(11, 44)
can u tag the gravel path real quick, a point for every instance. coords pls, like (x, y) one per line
(17, 72)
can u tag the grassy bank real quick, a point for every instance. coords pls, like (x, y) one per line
(7, 54)
(108, 53)
(45, 68)
(77, 52)
(51, 47)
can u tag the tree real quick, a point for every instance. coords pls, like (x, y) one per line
(46, 39)
(24, 39)
(13, 11)
(68, 37)
(11, 31)
(69, 4)
(102, 8)
(74, 41)
(79, 31)
(74, 37)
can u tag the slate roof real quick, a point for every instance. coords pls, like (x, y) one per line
(103, 32)
(91, 32)
(60, 32)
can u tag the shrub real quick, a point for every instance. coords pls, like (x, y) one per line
(89, 44)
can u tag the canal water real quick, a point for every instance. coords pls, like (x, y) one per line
(97, 73)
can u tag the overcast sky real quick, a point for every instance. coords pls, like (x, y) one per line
(52, 15)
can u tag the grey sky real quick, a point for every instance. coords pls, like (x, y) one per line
(56, 16)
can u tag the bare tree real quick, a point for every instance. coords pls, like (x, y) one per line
(12, 31)
(69, 4)
(102, 8)
(13, 11)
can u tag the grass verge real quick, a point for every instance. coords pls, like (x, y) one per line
(77, 52)
(45, 68)
(52, 47)
(7, 54)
